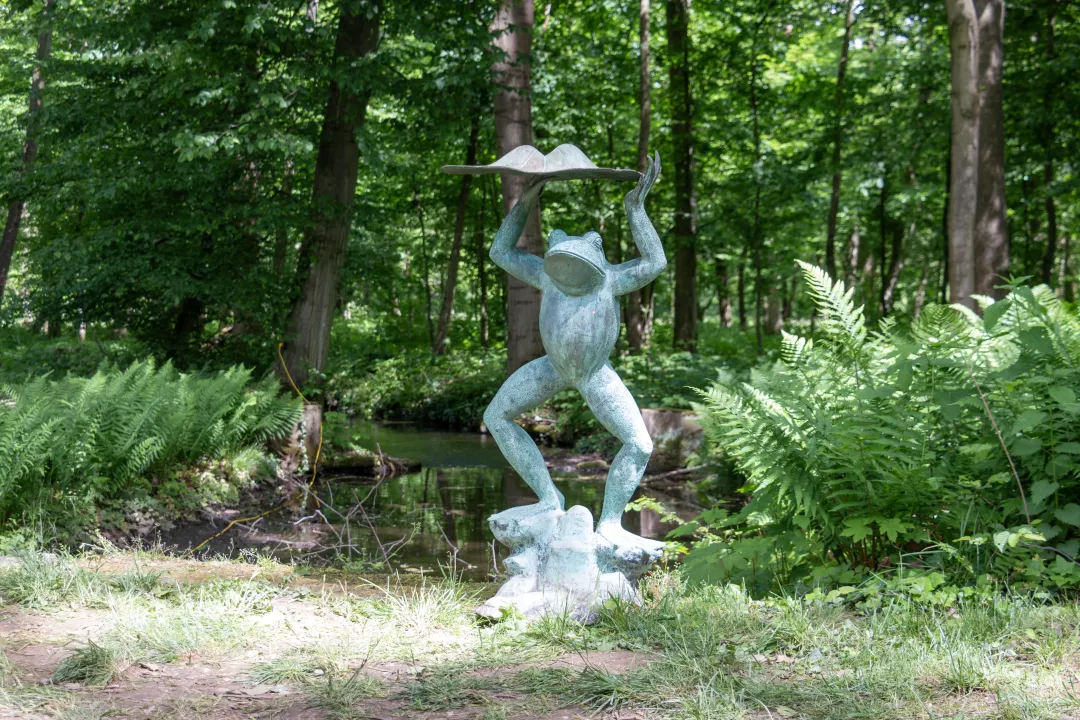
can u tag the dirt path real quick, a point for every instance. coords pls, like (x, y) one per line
(224, 682)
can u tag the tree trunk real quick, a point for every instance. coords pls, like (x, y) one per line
(644, 94)
(1066, 279)
(513, 127)
(425, 269)
(742, 291)
(838, 137)
(723, 297)
(334, 188)
(945, 228)
(281, 234)
(481, 273)
(678, 37)
(30, 147)
(853, 254)
(896, 265)
(774, 314)
(443, 332)
(1049, 131)
(638, 302)
(920, 294)
(991, 246)
(963, 184)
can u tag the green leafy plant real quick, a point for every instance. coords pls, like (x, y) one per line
(79, 443)
(948, 446)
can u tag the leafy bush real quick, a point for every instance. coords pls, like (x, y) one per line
(28, 353)
(448, 391)
(74, 445)
(950, 447)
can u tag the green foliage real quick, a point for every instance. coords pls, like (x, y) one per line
(448, 391)
(948, 447)
(71, 446)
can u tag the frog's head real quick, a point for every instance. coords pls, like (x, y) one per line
(575, 264)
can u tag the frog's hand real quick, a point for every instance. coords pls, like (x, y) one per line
(641, 271)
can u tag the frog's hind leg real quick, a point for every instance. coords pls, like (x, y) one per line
(616, 410)
(530, 385)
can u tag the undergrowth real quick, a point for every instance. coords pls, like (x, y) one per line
(941, 456)
(70, 447)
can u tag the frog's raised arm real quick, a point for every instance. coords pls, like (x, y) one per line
(640, 271)
(526, 267)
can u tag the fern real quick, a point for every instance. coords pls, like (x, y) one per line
(95, 437)
(865, 447)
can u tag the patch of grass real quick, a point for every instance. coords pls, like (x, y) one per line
(193, 708)
(340, 698)
(423, 608)
(92, 664)
(453, 686)
(138, 580)
(310, 662)
(47, 582)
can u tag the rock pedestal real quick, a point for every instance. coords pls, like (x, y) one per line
(559, 565)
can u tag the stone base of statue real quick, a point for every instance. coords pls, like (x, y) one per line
(559, 565)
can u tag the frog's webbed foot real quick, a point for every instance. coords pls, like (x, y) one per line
(628, 552)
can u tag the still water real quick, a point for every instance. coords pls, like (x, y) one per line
(432, 519)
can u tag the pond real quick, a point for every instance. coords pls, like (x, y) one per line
(429, 520)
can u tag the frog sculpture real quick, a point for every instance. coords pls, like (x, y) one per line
(557, 554)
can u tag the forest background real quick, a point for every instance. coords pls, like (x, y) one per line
(199, 182)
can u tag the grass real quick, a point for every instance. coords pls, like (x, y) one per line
(339, 699)
(702, 652)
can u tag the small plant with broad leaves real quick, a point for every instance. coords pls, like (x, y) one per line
(951, 447)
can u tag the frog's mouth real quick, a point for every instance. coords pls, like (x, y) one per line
(571, 272)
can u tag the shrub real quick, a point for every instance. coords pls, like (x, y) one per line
(75, 444)
(950, 446)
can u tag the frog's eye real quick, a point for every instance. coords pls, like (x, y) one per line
(595, 239)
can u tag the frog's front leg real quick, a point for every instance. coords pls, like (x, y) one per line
(614, 407)
(530, 385)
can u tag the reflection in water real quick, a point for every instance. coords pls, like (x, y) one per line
(428, 514)
(447, 508)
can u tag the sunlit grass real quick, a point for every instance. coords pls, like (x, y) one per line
(703, 652)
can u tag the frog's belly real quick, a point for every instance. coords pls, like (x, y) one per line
(579, 333)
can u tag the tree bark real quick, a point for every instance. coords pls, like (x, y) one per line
(513, 127)
(442, 334)
(991, 246)
(685, 330)
(281, 235)
(638, 302)
(838, 137)
(425, 269)
(1049, 131)
(963, 183)
(723, 296)
(481, 273)
(30, 146)
(334, 188)
(742, 292)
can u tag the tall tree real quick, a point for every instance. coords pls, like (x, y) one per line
(991, 224)
(639, 303)
(964, 178)
(838, 138)
(442, 334)
(678, 40)
(30, 146)
(513, 127)
(322, 253)
(1048, 141)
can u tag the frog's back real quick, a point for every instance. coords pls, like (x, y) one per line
(579, 332)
